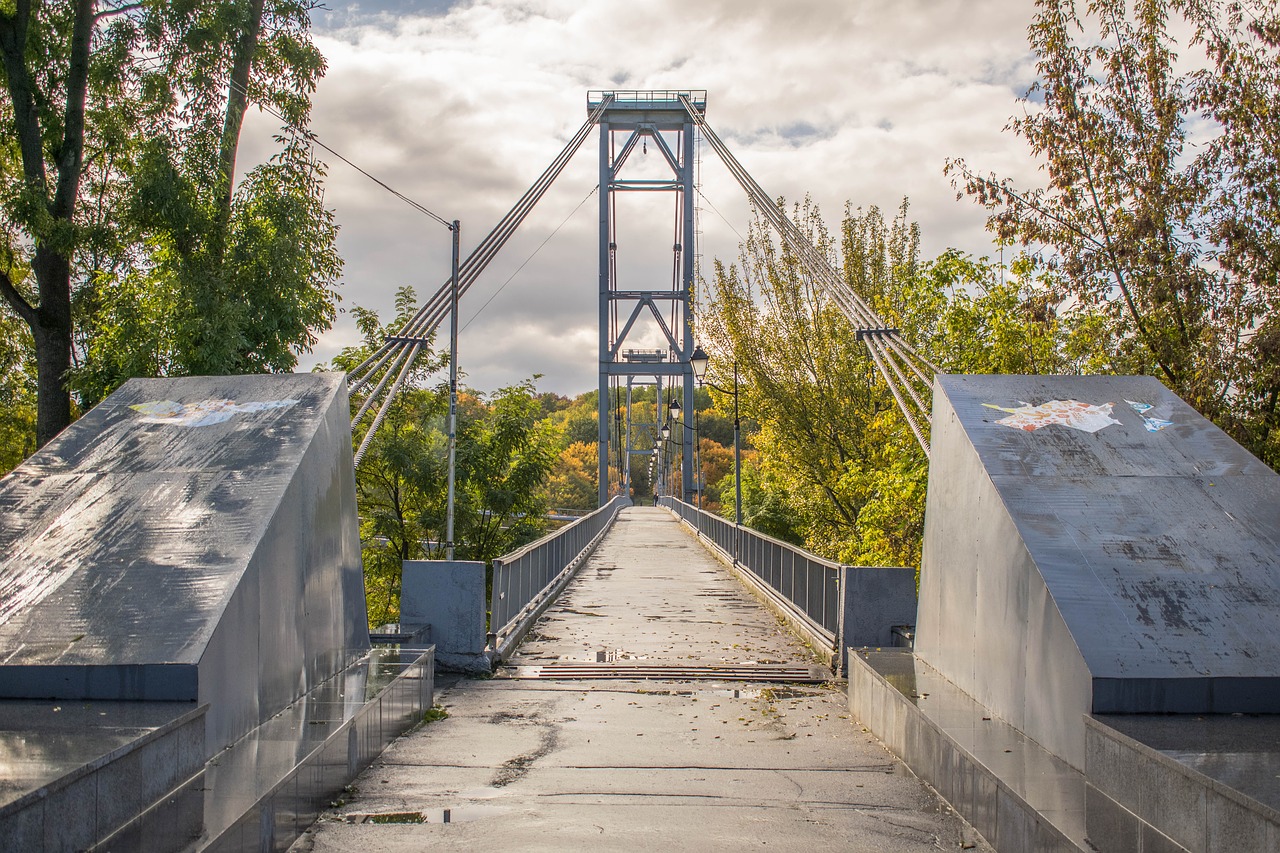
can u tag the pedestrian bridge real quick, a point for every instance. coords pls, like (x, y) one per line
(1091, 663)
(656, 703)
(1091, 659)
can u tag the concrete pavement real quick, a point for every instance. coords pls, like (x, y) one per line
(617, 764)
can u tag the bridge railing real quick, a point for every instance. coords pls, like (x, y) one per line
(807, 583)
(835, 605)
(529, 578)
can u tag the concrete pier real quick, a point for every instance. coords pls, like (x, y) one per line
(673, 756)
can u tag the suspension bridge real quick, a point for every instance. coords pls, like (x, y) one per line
(1090, 662)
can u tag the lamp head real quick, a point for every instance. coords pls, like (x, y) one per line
(699, 361)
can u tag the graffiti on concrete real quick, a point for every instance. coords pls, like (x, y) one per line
(1069, 413)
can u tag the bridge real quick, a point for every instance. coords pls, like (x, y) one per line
(1091, 661)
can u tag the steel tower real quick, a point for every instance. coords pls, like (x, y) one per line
(638, 119)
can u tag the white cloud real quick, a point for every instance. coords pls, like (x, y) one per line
(461, 108)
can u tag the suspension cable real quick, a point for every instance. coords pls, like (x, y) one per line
(890, 352)
(402, 349)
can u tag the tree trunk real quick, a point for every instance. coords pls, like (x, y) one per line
(52, 334)
(50, 320)
(237, 104)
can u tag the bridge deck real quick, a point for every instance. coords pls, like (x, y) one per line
(624, 764)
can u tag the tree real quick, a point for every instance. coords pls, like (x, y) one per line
(1172, 251)
(1239, 91)
(572, 483)
(835, 465)
(239, 276)
(17, 394)
(803, 377)
(117, 192)
(48, 75)
(505, 452)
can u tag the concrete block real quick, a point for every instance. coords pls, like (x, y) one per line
(986, 796)
(873, 601)
(134, 781)
(1015, 825)
(1153, 841)
(23, 828)
(71, 815)
(448, 596)
(1175, 803)
(1100, 564)
(1110, 768)
(203, 531)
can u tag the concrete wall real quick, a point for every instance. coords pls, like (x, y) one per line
(1093, 545)
(276, 818)
(1141, 799)
(303, 590)
(449, 597)
(86, 806)
(989, 773)
(875, 599)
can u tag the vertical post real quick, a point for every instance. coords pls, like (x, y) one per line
(453, 389)
(688, 241)
(737, 471)
(602, 404)
(626, 446)
(737, 453)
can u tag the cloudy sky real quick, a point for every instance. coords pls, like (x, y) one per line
(461, 105)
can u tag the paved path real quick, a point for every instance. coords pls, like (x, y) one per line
(638, 765)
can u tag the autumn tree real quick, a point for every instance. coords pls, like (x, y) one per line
(572, 484)
(1171, 246)
(803, 377)
(835, 466)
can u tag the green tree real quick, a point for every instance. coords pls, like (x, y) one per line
(121, 124)
(1169, 249)
(836, 466)
(49, 75)
(1239, 91)
(239, 276)
(17, 394)
(505, 453)
(803, 377)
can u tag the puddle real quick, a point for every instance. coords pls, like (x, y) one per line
(457, 814)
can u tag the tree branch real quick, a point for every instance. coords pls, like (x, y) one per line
(112, 11)
(16, 300)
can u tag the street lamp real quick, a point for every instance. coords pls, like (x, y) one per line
(700, 361)
(675, 409)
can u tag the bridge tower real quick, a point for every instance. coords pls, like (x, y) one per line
(633, 120)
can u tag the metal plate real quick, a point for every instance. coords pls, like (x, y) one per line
(671, 672)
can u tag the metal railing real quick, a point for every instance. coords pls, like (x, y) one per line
(529, 578)
(804, 584)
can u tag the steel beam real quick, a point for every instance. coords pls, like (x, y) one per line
(640, 116)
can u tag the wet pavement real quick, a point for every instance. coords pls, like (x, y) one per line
(548, 763)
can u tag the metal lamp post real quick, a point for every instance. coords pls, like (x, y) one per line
(700, 361)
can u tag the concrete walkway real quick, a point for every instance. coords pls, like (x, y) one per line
(546, 764)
